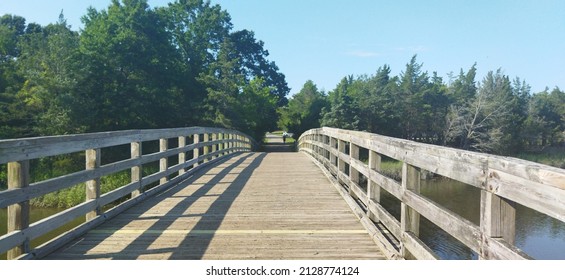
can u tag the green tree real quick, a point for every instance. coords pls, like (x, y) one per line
(545, 123)
(253, 62)
(131, 67)
(197, 31)
(303, 110)
(459, 92)
(488, 120)
(16, 120)
(258, 108)
(48, 63)
(343, 111)
(413, 83)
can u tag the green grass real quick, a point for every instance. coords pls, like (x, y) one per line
(553, 157)
(392, 169)
(75, 195)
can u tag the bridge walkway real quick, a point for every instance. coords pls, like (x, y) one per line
(263, 205)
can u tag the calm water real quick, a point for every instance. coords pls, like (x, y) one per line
(36, 215)
(538, 235)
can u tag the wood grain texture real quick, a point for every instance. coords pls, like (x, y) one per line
(503, 182)
(38, 147)
(253, 206)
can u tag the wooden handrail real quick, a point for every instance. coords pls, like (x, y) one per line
(18, 153)
(502, 181)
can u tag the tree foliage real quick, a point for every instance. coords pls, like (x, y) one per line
(496, 115)
(303, 110)
(133, 66)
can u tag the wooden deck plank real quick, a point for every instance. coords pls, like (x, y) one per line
(253, 206)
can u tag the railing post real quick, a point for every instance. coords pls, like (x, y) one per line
(196, 151)
(498, 220)
(373, 189)
(340, 163)
(136, 171)
(93, 186)
(246, 144)
(353, 173)
(409, 218)
(206, 148)
(319, 149)
(229, 144)
(215, 146)
(221, 145)
(333, 157)
(163, 146)
(182, 155)
(18, 214)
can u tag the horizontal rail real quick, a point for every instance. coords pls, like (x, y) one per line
(208, 146)
(501, 180)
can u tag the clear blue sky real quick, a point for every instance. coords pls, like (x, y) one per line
(326, 40)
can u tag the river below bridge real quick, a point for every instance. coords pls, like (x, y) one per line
(538, 235)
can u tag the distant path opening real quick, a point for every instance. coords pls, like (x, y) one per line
(274, 144)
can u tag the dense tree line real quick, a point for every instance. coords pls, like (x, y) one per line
(495, 115)
(132, 66)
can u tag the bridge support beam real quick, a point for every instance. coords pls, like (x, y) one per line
(18, 214)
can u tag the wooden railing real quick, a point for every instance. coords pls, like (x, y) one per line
(207, 146)
(502, 182)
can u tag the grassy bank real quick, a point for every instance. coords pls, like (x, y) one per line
(75, 195)
(552, 156)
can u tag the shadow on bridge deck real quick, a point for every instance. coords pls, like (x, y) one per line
(154, 221)
(246, 207)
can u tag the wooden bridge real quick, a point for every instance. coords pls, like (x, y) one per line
(213, 197)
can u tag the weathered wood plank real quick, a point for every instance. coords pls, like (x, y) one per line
(196, 150)
(384, 182)
(163, 161)
(238, 209)
(545, 199)
(136, 170)
(499, 249)
(38, 147)
(68, 236)
(47, 146)
(18, 214)
(385, 218)
(417, 248)
(181, 155)
(34, 190)
(458, 227)
(409, 217)
(373, 189)
(504, 180)
(93, 159)
(206, 148)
